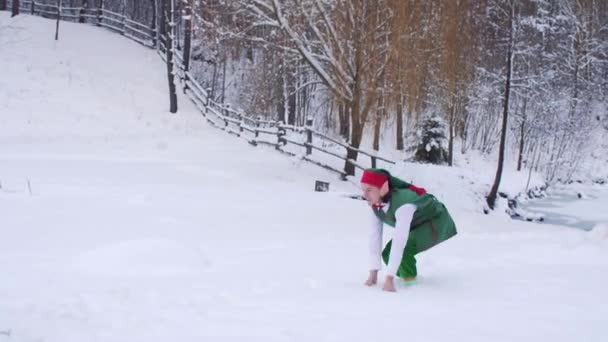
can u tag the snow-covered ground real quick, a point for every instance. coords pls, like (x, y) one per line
(122, 222)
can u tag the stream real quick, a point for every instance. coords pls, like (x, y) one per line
(562, 206)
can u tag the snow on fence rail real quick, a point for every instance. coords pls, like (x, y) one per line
(288, 139)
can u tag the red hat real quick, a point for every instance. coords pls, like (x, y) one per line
(374, 178)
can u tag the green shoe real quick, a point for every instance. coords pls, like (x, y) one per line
(409, 280)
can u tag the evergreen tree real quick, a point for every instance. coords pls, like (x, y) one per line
(430, 145)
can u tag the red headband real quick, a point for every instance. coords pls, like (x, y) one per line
(374, 178)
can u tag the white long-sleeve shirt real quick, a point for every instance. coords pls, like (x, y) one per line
(403, 216)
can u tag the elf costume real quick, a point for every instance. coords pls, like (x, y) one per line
(419, 219)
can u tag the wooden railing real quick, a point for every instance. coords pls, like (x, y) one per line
(292, 140)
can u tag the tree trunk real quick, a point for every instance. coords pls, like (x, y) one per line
(379, 114)
(291, 96)
(400, 144)
(522, 136)
(58, 19)
(124, 14)
(491, 199)
(344, 118)
(287, 103)
(162, 27)
(281, 90)
(377, 126)
(224, 62)
(356, 133)
(177, 9)
(188, 35)
(153, 23)
(168, 7)
(214, 80)
(355, 141)
(451, 134)
(301, 100)
(15, 8)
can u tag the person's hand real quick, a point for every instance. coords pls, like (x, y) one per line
(389, 284)
(372, 279)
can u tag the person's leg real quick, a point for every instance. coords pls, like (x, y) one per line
(407, 269)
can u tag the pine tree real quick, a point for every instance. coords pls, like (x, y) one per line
(431, 141)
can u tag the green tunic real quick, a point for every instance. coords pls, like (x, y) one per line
(431, 224)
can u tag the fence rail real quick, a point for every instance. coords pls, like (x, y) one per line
(254, 129)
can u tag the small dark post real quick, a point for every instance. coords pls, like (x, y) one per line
(309, 136)
(33, 6)
(374, 162)
(321, 186)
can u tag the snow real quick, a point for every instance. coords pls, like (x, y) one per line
(600, 232)
(147, 226)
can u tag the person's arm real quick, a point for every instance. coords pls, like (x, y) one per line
(404, 216)
(375, 243)
(375, 248)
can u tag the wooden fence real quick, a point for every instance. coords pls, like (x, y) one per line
(292, 140)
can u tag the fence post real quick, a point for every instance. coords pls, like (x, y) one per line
(309, 123)
(99, 13)
(33, 6)
(241, 123)
(281, 132)
(374, 162)
(208, 101)
(82, 10)
(257, 126)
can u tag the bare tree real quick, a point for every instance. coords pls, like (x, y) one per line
(188, 34)
(59, 5)
(168, 9)
(491, 199)
(342, 42)
(328, 59)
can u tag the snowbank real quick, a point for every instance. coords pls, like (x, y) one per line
(599, 232)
